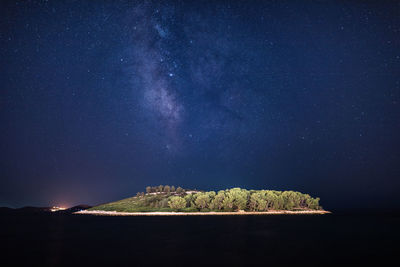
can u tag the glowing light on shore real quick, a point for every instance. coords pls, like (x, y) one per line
(55, 208)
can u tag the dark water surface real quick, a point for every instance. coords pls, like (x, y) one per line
(275, 239)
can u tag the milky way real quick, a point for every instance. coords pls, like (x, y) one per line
(184, 73)
(151, 73)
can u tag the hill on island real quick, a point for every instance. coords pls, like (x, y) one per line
(167, 199)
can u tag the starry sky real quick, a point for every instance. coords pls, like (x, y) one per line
(101, 98)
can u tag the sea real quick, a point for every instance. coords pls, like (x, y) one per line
(269, 240)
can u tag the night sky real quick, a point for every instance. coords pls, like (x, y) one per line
(101, 98)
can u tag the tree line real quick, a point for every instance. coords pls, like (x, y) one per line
(164, 189)
(231, 200)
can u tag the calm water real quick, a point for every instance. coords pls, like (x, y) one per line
(84, 239)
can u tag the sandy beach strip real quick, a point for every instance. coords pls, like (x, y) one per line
(277, 212)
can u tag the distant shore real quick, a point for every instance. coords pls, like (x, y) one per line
(275, 212)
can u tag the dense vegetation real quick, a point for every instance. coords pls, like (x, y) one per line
(166, 198)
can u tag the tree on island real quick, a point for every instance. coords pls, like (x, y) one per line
(217, 202)
(167, 189)
(235, 198)
(203, 200)
(179, 190)
(257, 202)
(177, 203)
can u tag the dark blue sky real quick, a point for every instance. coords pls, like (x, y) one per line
(101, 98)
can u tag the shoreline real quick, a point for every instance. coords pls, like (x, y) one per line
(211, 213)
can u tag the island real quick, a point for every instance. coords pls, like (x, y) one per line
(168, 200)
